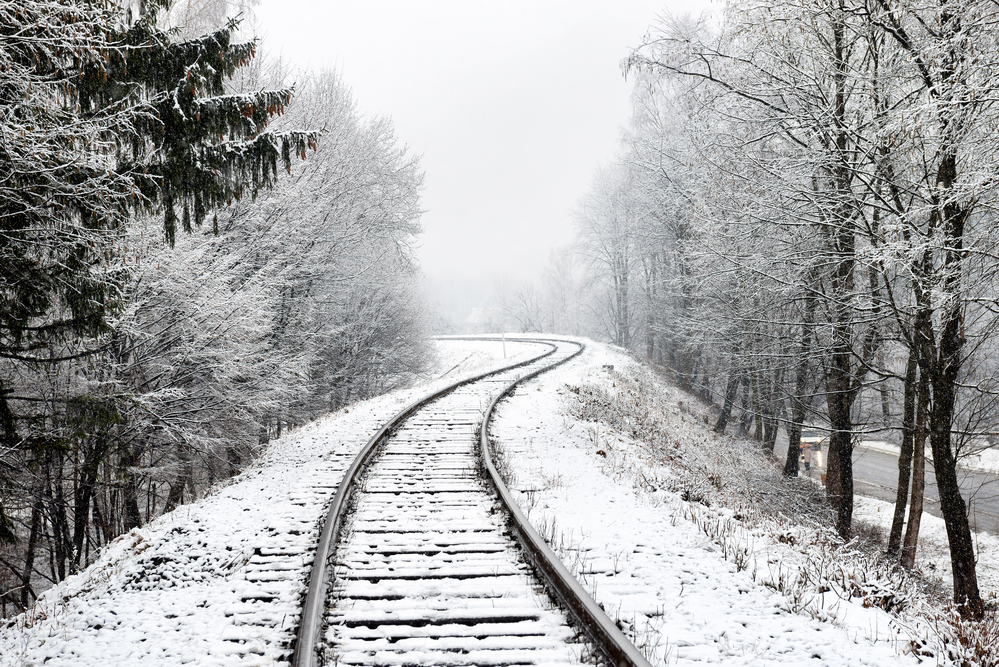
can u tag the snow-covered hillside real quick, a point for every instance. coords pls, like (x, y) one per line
(670, 544)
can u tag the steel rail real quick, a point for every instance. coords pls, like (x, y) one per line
(562, 585)
(307, 639)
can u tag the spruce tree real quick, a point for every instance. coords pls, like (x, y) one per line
(103, 117)
(194, 147)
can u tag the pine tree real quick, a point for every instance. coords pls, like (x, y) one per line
(62, 205)
(197, 148)
(102, 117)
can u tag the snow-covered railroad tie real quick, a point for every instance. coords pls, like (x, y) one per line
(425, 570)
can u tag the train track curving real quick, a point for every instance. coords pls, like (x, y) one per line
(425, 558)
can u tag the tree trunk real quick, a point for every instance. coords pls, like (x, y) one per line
(772, 408)
(62, 542)
(704, 387)
(623, 323)
(176, 495)
(885, 403)
(770, 433)
(839, 468)
(833, 488)
(905, 456)
(839, 483)
(650, 328)
(82, 495)
(908, 559)
(133, 517)
(952, 506)
(757, 409)
(798, 408)
(793, 445)
(802, 370)
(746, 419)
(841, 384)
(29, 554)
(233, 459)
(944, 379)
(730, 392)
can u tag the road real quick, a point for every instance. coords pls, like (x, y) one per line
(876, 475)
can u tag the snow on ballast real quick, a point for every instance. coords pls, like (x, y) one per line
(426, 571)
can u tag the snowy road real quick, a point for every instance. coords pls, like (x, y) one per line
(876, 475)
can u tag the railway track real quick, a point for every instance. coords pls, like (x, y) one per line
(425, 559)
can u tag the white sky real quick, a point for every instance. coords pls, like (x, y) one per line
(512, 104)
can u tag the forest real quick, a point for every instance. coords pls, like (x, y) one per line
(201, 248)
(799, 226)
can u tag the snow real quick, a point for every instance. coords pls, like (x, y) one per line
(218, 582)
(658, 564)
(428, 573)
(933, 554)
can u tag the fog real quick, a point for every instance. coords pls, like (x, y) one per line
(513, 105)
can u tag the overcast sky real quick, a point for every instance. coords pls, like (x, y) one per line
(512, 104)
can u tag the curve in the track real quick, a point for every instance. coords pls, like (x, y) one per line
(427, 570)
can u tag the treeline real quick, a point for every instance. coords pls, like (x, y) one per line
(802, 222)
(178, 286)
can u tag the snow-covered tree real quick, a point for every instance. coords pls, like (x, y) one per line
(103, 116)
(855, 146)
(607, 224)
(937, 162)
(62, 205)
(793, 74)
(303, 302)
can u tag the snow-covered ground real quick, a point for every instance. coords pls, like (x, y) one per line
(690, 580)
(218, 582)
